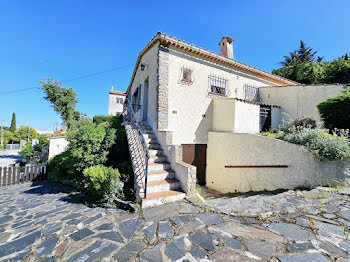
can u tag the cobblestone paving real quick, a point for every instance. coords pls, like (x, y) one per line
(42, 222)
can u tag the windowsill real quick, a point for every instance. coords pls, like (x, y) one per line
(217, 94)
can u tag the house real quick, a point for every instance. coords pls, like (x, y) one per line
(188, 101)
(115, 102)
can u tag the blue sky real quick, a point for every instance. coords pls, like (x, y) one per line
(67, 39)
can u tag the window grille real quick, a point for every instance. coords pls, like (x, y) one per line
(136, 99)
(251, 93)
(218, 85)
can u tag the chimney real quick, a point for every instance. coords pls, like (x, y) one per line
(226, 47)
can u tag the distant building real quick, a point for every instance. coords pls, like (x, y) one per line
(116, 101)
(44, 132)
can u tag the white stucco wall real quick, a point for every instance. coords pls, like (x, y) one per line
(298, 101)
(189, 105)
(227, 148)
(150, 60)
(247, 118)
(275, 116)
(115, 108)
(57, 145)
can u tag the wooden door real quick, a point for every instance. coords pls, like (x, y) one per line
(196, 155)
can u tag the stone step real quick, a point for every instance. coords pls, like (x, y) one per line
(146, 131)
(156, 152)
(159, 198)
(157, 159)
(151, 141)
(160, 175)
(149, 136)
(154, 146)
(158, 166)
(161, 185)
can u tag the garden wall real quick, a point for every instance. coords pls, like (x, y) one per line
(253, 151)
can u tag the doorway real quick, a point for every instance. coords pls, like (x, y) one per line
(145, 100)
(196, 155)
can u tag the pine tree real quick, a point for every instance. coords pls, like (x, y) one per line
(13, 123)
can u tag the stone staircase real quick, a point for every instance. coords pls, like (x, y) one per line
(162, 186)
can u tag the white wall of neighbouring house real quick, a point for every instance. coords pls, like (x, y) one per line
(234, 149)
(150, 72)
(57, 145)
(115, 106)
(299, 101)
(190, 107)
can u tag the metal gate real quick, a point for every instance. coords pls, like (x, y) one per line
(265, 118)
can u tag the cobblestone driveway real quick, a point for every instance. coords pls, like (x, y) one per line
(40, 222)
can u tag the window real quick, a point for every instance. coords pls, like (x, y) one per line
(218, 85)
(251, 93)
(136, 99)
(186, 75)
(119, 100)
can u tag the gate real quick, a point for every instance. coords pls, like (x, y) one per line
(265, 118)
(196, 155)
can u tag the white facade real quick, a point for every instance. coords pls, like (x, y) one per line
(58, 144)
(115, 102)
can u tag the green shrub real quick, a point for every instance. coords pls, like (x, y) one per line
(98, 119)
(305, 122)
(90, 144)
(324, 145)
(335, 111)
(103, 183)
(61, 166)
(28, 151)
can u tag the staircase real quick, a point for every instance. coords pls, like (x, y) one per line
(162, 187)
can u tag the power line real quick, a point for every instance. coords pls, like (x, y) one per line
(72, 79)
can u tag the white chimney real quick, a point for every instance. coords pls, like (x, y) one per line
(226, 47)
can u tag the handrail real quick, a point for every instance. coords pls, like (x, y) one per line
(137, 144)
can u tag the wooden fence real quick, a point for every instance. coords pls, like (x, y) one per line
(16, 175)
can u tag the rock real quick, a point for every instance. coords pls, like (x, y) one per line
(81, 234)
(291, 231)
(176, 249)
(91, 219)
(198, 253)
(130, 250)
(5, 219)
(111, 235)
(188, 209)
(299, 247)
(150, 232)
(46, 247)
(345, 214)
(330, 229)
(189, 227)
(225, 255)
(165, 230)
(313, 211)
(209, 218)
(106, 226)
(333, 249)
(51, 229)
(346, 245)
(181, 219)
(48, 259)
(61, 248)
(302, 222)
(100, 249)
(239, 230)
(304, 258)
(232, 243)
(329, 216)
(203, 239)
(331, 208)
(152, 255)
(345, 191)
(161, 212)
(129, 227)
(19, 244)
(260, 247)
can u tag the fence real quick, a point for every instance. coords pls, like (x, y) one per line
(16, 175)
(12, 146)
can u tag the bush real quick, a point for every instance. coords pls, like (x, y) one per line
(335, 111)
(61, 166)
(98, 119)
(324, 145)
(103, 183)
(28, 151)
(90, 144)
(306, 122)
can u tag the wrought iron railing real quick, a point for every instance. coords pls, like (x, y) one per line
(137, 146)
(251, 93)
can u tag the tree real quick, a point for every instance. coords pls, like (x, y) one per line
(13, 123)
(303, 54)
(22, 133)
(63, 101)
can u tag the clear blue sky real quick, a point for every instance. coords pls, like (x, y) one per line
(67, 39)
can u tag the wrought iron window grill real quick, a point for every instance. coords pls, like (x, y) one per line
(218, 86)
(187, 76)
(251, 93)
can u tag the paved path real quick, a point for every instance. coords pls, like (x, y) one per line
(44, 222)
(9, 157)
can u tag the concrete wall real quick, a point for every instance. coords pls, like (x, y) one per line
(298, 101)
(115, 108)
(58, 144)
(227, 148)
(190, 104)
(150, 60)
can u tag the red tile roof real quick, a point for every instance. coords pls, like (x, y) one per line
(185, 46)
(112, 92)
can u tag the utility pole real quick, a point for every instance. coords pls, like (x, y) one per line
(2, 134)
(28, 132)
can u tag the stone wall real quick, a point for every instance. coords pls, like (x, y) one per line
(163, 89)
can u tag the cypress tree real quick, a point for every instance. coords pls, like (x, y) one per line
(13, 123)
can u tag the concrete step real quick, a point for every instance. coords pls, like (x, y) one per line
(159, 198)
(154, 146)
(155, 152)
(160, 175)
(161, 185)
(158, 166)
(151, 141)
(149, 136)
(157, 159)
(146, 131)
